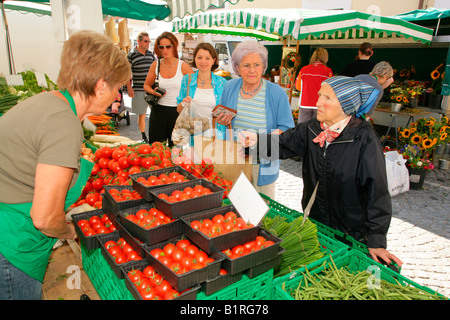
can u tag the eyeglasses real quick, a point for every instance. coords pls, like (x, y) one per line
(248, 66)
(167, 47)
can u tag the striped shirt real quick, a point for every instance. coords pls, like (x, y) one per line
(140, 64)
(251, 113)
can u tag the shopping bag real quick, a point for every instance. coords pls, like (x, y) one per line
(397, 173)
(225, 156)
(189, 122)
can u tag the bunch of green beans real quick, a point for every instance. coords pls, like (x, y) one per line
(340, 284)
(300, 241)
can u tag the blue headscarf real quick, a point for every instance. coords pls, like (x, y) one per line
(356, 97)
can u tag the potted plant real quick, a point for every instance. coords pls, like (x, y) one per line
(417, 166)
(415, 90)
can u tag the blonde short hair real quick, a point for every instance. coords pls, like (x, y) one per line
(87, 57)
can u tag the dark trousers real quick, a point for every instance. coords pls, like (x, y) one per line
(161, 122)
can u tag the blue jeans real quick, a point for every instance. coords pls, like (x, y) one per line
(17, 285)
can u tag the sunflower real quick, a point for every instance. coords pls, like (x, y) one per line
(443, 136)
(399, 98)
(406, 133)
(444, 119)
(405, 100)
(416, 139)
(413, 124)
(427, 143)
(429, 123)
(435, 74)
(443, 129)
(413, 129)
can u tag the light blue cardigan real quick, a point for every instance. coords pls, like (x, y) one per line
(278, 116)
(217, 83)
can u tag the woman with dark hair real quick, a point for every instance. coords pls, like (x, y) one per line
(205, 88)
(343, 164)
(169, 70)
(362, 63)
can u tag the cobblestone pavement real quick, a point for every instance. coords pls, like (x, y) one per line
(418, 233)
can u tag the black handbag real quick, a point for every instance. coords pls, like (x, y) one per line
(151, 99)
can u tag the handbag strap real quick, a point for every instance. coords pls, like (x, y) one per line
(188, 85)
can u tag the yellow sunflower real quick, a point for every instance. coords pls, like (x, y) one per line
(416, 139)
(406, 133)
(444, 119)
(413, 124)
(427, 143)
(413, 129)
(429, 123)
(399, 98)
(405, 100)
(443, 136)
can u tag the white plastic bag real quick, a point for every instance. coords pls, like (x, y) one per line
(397, 173)
(189, 122)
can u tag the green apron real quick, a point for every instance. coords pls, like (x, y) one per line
(21, 243)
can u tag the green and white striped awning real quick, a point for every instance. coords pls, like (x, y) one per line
(302, 24)
(180, 8)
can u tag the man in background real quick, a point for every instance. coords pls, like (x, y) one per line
(140, 59)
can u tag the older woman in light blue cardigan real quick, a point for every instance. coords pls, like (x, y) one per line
(261, 106)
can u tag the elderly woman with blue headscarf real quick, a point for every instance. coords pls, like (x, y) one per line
(343, 163)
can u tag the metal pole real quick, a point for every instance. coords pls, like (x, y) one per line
(12, 68)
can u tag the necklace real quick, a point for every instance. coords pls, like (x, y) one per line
(251, 92)
(203, 82)
(168, 66)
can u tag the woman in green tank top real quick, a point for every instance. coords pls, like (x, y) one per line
(33, 204)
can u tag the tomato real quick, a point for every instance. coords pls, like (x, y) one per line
(201, 257)
(177, 194)
(148, 293)
(216, 229)
(156, 279)
(240, 223)
(89, 232)
(120, 258)
(163, 196)
(165, 163)
(141, 213)
(133, 255)
(127, 248)
(134, 159)
(121, 242)
(168, 249)
(94, 219)
(95, 169)
(142, 284)
(207, 223)
(149, 271)
(268, 243)
(117, 154)
(182, 244)
(192, 250)
(147, 162)
(163, 287)
(171, 199)
(218, 219)
(103, 163)
(186, 263)
(114, 250)
(260, 240)
(177, 255)
(248, 247)
(230, 216)
(237, 250)
(134, 170)
(165, 260)
(92, 198)
(171, 294)
(83, 222)
(197, 266)
(135, 275)
(97, 184)
(106, 152)
(196, 224)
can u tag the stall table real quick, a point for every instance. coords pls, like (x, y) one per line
(393, 123)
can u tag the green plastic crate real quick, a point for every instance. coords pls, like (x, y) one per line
(105, 281)
(355, 261)
(258, 288)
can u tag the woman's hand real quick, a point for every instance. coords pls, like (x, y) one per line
(381, 253)
(183, 103)
(224, 119)
(247, 138)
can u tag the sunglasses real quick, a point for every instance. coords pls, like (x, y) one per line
(167, 47)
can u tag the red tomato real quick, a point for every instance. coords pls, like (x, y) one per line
(196, 224)
(134, 159)
(106, 152)
(127, 248)
(201, 257)
(97, 184)
(115, 250)
(230, 216)
(149, 293)
(218, 219)
(192, 250)
(165, 260)
(163, 287)
(177, 255)
(156, 253)
(182, 244)
(92, 198)
(168, 249)
(149, 271)
(237, 250)
(135, 275)
(260, 240)
(207, 223)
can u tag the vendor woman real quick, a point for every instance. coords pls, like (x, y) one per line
(41, 172)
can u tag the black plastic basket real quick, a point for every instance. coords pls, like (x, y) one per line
(144, 191)
(253, 259)
(190, 294)
(90, 242)
(153, 235)
(221, 281)
(265, 266)
(178, 209)
(189, 279)
(122, 232)
(222, 242)
(117, 206)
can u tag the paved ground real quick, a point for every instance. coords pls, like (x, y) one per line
(418, 235)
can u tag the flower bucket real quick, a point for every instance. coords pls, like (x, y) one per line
(413, 102)
(396, 107)
(434, 101)
(416, 178)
